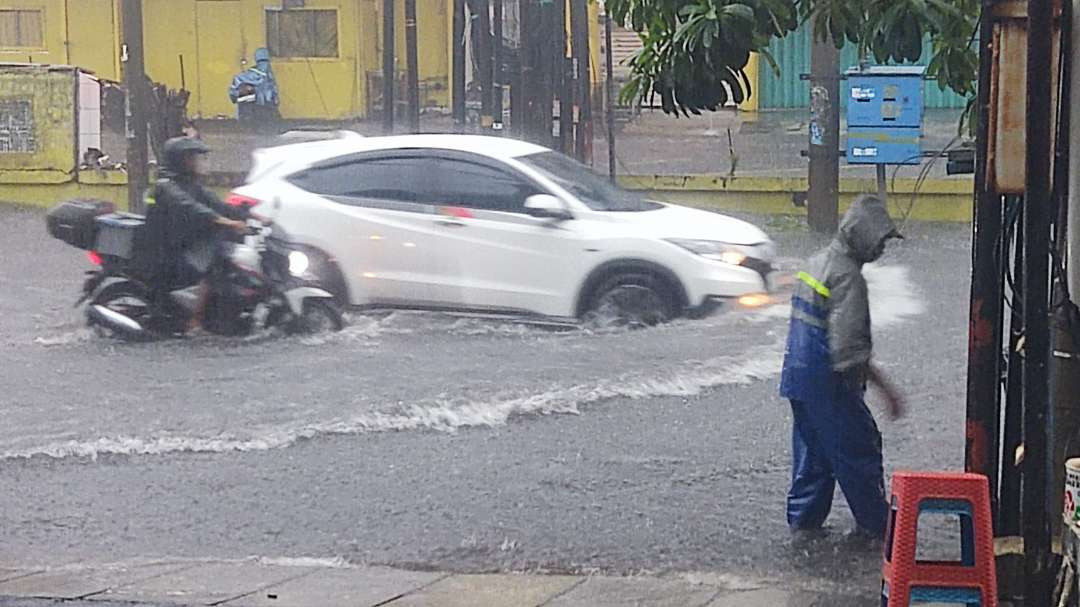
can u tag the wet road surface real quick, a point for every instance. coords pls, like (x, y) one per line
(436, 441)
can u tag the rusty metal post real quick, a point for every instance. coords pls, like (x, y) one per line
(987, 293)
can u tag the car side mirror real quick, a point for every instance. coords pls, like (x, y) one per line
(548, 207)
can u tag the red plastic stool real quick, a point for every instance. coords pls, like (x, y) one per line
(970, 581)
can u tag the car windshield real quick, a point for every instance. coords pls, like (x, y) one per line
(593, 190)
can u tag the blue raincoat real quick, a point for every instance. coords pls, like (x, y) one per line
(261, 78)
(829, 347)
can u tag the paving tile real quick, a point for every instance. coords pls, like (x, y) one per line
(635, 592)
(772, 597)
(360, 587)
(74, 583)
(488, 591)
(206, 584)
(8, 573)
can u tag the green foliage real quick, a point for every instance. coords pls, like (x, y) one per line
(695, 51)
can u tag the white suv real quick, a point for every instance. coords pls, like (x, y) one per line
(494, 225)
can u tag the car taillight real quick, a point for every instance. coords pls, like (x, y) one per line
(94, 257)
(238, 200)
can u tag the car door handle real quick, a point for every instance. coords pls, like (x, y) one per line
(450, 223)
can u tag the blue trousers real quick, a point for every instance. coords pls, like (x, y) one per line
(836, 440)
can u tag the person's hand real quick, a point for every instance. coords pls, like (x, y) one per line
(894, 402)
(894, 405)
(239, 227)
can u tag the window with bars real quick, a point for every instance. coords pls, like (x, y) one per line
(302, 33)
(22, 28)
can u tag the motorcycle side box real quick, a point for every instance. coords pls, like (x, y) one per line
(116, 233)
(74, 221)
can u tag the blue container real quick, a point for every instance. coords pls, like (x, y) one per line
(890, 96)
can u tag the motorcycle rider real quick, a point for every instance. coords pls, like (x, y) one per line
(184, 224)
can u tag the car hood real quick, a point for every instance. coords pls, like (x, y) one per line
(674, 221)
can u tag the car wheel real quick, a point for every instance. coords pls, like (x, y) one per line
(632, 301)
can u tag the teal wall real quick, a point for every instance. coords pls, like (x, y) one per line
(792, 53)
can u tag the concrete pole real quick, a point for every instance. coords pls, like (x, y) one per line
(412, 66)
(823, 197)
(134, 76)
(388, 66)
(458, 67)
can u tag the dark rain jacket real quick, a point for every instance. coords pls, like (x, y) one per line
(829, 345)
(180, 220)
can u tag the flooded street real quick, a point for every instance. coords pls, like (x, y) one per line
(440, 441)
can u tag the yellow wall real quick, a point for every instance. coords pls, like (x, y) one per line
(51, 94)
(54, 50)
(216, 38)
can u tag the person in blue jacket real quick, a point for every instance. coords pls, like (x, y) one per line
(255, 91)
(827, 364)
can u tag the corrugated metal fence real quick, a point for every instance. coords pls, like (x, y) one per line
(792, 53)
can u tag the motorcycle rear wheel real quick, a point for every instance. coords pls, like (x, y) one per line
(126, 298)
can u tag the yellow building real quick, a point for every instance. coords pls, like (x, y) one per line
(327, 53)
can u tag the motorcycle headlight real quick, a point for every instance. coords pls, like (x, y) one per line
(298, 263)
(712, 249)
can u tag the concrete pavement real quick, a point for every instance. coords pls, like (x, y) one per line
(310, 583)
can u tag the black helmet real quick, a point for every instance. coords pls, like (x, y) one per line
(178, 149)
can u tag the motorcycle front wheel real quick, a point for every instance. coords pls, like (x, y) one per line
(319, 316)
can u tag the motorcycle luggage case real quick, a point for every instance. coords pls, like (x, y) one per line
(116, 234)
(74, 221)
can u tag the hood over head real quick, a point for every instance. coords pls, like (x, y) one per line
(262, 58)
(866, 227)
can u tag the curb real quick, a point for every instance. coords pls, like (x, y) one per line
(258, 582)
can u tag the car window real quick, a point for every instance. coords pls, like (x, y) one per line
(476, 186)
(395, 178)
(593, 190)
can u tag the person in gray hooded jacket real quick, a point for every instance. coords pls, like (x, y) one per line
(827, 364)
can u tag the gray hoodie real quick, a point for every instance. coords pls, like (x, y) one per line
(841, 289)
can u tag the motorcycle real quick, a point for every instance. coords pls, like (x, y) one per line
(262, 283)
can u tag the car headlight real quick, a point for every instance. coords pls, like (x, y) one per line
(298, 263)
(712, 249)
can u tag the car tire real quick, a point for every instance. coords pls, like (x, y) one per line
(634, 300)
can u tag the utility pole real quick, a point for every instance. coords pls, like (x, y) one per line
(579, 32)
(483, 49)
(458, 67)
(412, 66)
(134, 76)
(1038, 421)
(823, 198)
(388, 66)
(564, 83)
(609, 83)
(497, 65)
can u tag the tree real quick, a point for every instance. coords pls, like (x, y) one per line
(695, 51)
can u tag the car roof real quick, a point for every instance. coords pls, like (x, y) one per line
(286, 159)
